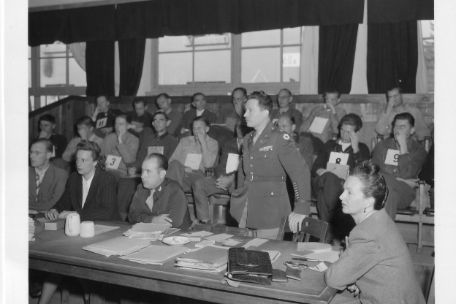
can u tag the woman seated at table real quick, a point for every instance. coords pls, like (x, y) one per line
(376, 265)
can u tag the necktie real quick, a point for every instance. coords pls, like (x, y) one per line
(150, 199)
(38, 183)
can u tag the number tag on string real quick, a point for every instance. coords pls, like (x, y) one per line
(392, 157)
(113, 162)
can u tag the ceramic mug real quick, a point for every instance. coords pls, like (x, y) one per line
(73, 224)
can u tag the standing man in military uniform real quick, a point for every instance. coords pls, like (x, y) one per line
(261, 201)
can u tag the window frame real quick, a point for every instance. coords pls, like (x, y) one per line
(236, 73)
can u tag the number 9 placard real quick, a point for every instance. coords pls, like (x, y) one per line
(392, 157)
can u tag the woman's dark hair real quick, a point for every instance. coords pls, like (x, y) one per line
(352, 120)
(264, 100)
(90, 146)
(374, 184)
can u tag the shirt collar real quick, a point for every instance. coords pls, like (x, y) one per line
(89, 180)
(42, 172)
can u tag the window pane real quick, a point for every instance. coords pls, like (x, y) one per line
(213, 66)
(427, 28)
(77, 74)
(175, 68)
(57, 49)
(291, 64)
(271, 37)
(261, 65)
(210, 42)
(52, 71)
(292, 35)
(175, 43)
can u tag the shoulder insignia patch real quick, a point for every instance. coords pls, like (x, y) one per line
(286, 136)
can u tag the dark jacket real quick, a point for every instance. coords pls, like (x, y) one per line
(101, 201)
(51, 188)
(262, 179)
(191, 114)
(169, 198)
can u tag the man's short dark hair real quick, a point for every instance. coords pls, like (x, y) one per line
(137, 101)
(289, 117)
(285, 90)
(264, 100)
(198, 94)
(124, 116)
(160, 113)
(46, 142)
(102, 95)
(396, 87)
(162, 161)
(201, 118)
(241, 89)
(89, 146)
(404, 116)
(352, 120)
(163, 95)
(85, 120)
(331, 91)
(47, 117)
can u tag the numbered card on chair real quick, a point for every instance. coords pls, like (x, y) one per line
(101, 123)
(338, 158)
(318, 125)
(113, 162)
(193, 160)
(392, 157)
(232, 163)
(155, 149)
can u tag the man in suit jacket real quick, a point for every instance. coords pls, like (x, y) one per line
(199, 104)
(46, 182)
(90, 191)
(158, 199)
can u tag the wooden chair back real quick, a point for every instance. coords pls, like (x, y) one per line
(311, 227)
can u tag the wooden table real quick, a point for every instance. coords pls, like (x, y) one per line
(56, 253)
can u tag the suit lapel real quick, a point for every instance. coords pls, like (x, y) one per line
(78, 188)
(92, 189)
(47, 178)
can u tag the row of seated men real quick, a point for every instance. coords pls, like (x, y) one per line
(201, 162)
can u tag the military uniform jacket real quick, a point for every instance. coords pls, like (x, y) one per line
(262, 179)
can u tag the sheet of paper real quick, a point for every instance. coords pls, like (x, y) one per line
(255, 243)
(318, 125)
(319, 267)
(231, 243)
(338, 158)
(101, 123)
(198, 234)
(117, 246)
(113, 162)
(219, 237)
(193, 161)
(155, 149)
(155, 254)
(99, 229)
(313, 246)
(392, 157)
(232, 163)
(327, 256)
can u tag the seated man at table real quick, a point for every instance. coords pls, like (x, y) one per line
(198, 110)
(330, 170)
(159, 142)
(324, 119)
(47, 126)
(46, 182)
(158, 199)
(86, 128)
(284, 99)
(193, 155)
(400, 159)
(175, 117)
(90, 191)
(395, 105)
(120, 148)
(141, 119)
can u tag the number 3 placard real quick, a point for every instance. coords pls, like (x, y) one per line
(392, 157)
(113, 162)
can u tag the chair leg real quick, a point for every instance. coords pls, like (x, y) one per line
(420, 236)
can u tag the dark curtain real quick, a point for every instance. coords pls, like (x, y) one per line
(337, 44)
(100, 68)
(72, 25)
(131, 59)
(386, 11)
(392, 56)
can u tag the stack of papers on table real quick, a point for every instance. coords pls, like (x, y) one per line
(210, 258)
(314, 251)
(149, 231)
(117, 246)
(155, 254)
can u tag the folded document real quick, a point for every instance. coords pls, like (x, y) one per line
(117, 246)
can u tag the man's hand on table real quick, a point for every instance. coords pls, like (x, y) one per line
(52, 215)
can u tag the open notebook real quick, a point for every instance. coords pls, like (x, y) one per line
(117, 246)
